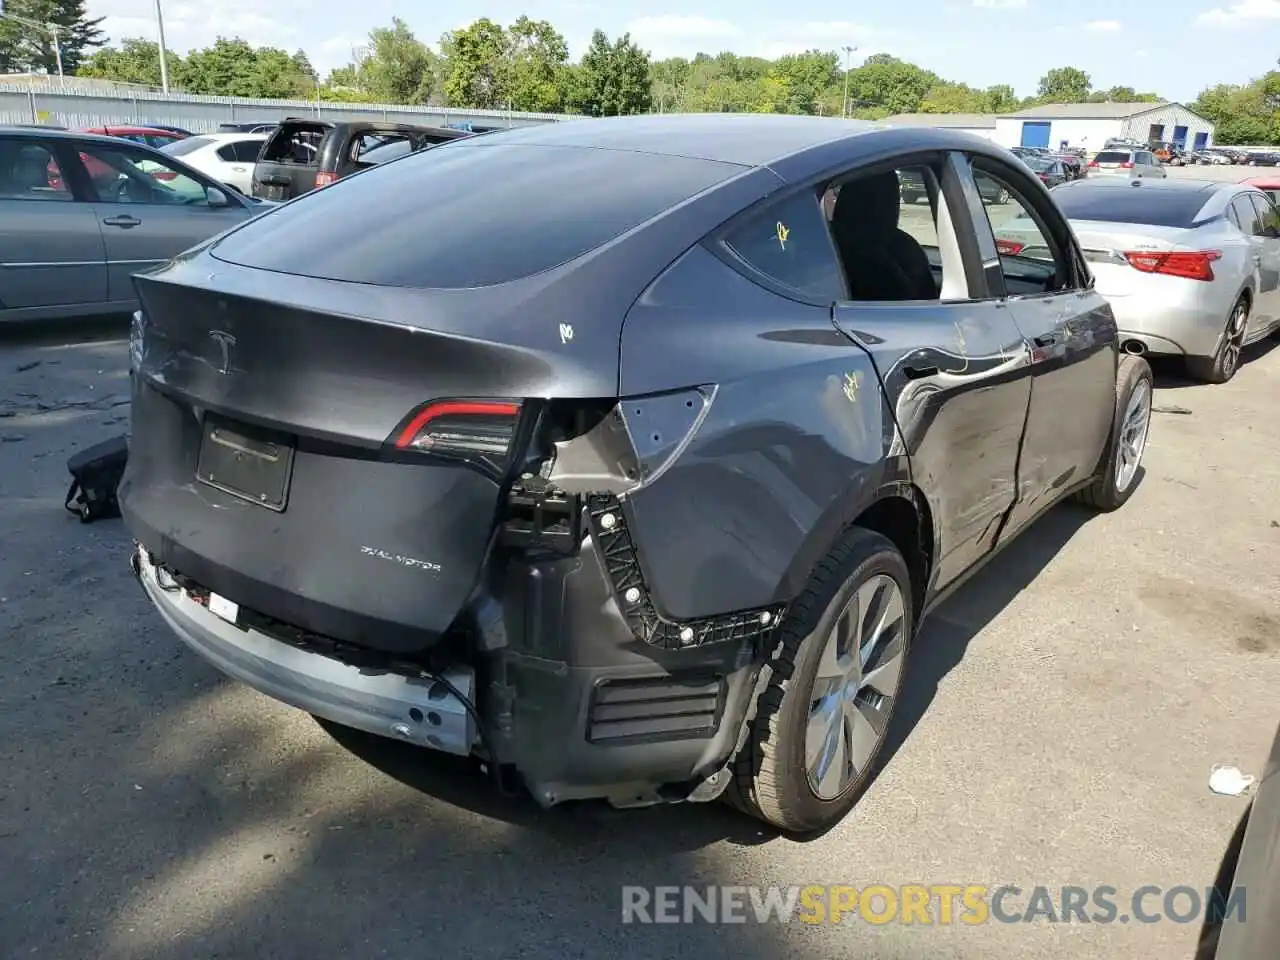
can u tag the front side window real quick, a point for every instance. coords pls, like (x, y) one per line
(790, 243)
(121, 175)
(1030, 260)
(28, 171)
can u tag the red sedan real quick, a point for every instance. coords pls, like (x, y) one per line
(151, 136)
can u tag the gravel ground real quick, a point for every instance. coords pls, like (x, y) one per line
(1062, 716)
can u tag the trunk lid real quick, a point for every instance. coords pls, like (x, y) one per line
(290, 160)
(263, 463)
(1105, 246)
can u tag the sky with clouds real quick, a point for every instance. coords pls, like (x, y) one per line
(1176, 47)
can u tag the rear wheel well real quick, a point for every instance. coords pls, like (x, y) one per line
(904, 519)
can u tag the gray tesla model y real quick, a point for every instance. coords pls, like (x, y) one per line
(624, 454)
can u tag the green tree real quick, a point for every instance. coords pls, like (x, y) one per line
(537, 58)
(946, 97)
(398, 67)
(25, 48)
(884, 85)
(614, 78)
(802, 81)
(477, 72)
(1000, 99)
(1241, 114)
(135, 61)
(1064, 85)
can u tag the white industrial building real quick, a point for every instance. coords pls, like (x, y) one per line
(1091, 125)
(983, 124)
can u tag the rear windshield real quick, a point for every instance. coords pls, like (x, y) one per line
(1159, 208)
(295, 143)
(1114, 156)
(469, 215)
(180, 148)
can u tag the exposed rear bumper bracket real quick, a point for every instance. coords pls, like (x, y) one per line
(609, 530)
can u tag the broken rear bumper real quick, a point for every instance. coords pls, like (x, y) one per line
(410, 708)
(569, 697)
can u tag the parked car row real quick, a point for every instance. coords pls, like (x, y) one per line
(133, 197)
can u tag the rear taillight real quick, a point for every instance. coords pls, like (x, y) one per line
(324, 178)
(165, 175)
(1093, 163)
(1190, 265)
(1128, 164)
(482, 429)
(1009, 248)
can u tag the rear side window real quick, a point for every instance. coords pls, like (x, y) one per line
(180, 148)
(296, 143)
(468, 215)
(1159, 208)
(790, 243)
(373, 148)
(1114, 156)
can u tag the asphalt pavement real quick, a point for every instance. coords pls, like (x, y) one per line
(1061, 718)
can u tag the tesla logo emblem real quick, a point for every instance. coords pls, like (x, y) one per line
(566, 332)
(225, 342)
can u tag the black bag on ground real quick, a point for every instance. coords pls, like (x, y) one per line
(95, 474)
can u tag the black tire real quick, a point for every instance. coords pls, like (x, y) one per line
(1222, 366)
(770, 776)
(1104, 493)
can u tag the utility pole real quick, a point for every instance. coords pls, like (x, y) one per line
(164, 65)
(848, 52)
(50, 28)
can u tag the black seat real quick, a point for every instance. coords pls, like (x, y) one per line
(881, 261)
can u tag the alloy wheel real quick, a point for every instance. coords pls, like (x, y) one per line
(1234, 340)
(855, 687)
(1134, 428)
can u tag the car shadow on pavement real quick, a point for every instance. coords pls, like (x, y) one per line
(944, 636)
(1170, 374)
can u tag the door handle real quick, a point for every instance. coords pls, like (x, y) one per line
(125, 221)
(1048, 340)
(238, 169)
(919, 373)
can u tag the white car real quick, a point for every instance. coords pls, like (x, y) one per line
(227, 157)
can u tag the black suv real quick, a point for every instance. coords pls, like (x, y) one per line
(303, 154)
(624, 454)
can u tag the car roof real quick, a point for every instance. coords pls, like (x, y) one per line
(53, 133)
(1264, 183)
(806, 144)
(1164, 185)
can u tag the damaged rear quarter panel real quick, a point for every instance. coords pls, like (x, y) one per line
(797, 440)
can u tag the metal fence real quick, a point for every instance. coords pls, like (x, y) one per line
(75, 103)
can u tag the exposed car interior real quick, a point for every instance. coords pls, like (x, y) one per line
(25, 174)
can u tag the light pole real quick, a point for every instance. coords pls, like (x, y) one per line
(52, 29)
(848, 52)
(164, 66)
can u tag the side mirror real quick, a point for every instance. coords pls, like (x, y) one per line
(216, 198)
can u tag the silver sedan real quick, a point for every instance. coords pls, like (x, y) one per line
(1191, 268)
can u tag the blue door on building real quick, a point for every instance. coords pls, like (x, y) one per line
(1180, 137)
(1202, 139)
(1035, 133)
